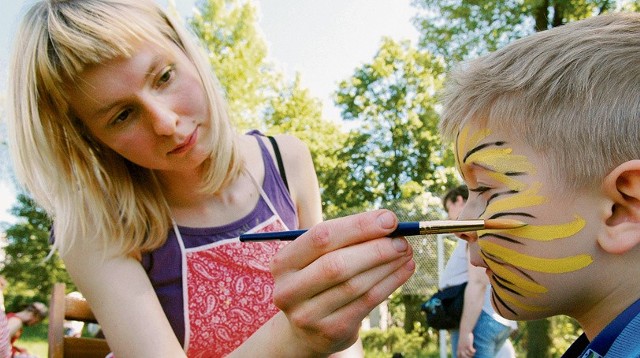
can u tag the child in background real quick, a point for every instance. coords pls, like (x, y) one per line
(31, 315)
(119, 131)
(547, 131)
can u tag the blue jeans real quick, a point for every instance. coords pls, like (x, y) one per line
(488, 337)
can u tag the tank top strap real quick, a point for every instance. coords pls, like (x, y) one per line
(264, 195)
(273, 185)
(267, 159)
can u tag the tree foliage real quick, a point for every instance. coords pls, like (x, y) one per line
(294, 111)
(258, 95)
(395, 151)
(237, 53)
(459, 29)
(28, 268)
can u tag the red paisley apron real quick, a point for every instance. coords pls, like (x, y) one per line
(228, 289)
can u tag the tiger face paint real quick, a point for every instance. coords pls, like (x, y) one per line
(505, 183)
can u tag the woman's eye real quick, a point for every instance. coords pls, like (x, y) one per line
(166, 75)
(122, 116)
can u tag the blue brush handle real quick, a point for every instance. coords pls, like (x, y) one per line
(270, 236)
(403, 229)
(406, 229)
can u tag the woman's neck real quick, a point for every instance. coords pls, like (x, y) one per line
(182, 189)
(190, 206)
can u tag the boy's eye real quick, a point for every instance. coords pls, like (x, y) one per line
(480, 189)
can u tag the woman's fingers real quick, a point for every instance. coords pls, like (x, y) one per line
(342, 324)
(359, 294)
(330, 278)
(332, 235)
(349, 270)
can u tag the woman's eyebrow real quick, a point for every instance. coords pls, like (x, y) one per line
(154, 62)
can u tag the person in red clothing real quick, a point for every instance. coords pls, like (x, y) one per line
(31, 315)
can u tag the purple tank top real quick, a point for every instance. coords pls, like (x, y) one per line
(164, 265)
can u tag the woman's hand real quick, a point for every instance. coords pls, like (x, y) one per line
(330, 278)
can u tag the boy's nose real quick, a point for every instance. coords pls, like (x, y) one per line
(468, 236)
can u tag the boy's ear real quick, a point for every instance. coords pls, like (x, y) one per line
(622, 187)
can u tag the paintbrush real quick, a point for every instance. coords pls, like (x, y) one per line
(407, 229)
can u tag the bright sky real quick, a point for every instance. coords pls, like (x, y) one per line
(324, 40)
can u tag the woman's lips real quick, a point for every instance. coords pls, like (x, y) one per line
(187, 144)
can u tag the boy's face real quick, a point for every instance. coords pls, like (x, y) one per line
(533, 269)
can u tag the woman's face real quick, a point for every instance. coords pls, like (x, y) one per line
(150, 108)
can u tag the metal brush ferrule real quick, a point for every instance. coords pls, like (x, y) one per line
(447, 226)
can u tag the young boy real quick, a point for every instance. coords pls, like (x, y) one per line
(547, 131)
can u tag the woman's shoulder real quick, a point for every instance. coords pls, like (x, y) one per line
(292, 149)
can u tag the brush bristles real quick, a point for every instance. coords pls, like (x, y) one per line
(497, 224)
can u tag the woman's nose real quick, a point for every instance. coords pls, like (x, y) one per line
(163, 119)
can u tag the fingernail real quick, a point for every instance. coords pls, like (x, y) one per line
(386, 220)
(400, 244)
(410, 265)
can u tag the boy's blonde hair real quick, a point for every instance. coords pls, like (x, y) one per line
(572, 93)
(88, 189)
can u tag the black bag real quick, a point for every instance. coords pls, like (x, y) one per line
(444, 308)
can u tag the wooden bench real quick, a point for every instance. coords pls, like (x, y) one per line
(61, 308)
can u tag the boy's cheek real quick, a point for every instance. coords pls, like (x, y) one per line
(474, 255)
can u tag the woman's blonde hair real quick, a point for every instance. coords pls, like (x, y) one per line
(572, 93)
(87, 188)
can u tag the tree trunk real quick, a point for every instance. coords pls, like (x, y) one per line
(412, 311)
(538, 342)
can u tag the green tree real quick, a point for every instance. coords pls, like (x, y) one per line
(28, 268)
(237, 52)
(292, 110)
(258, 95)
(395, 152)
(459, 29)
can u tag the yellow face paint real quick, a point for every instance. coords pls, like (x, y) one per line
(548, 232)
(519, 284)
(466, 143)
(508, 195)
(501, 160)
(509, 182)
(538, 264)
(523, 199)
(507, 297)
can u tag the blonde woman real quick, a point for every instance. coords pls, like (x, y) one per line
(120, 132)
